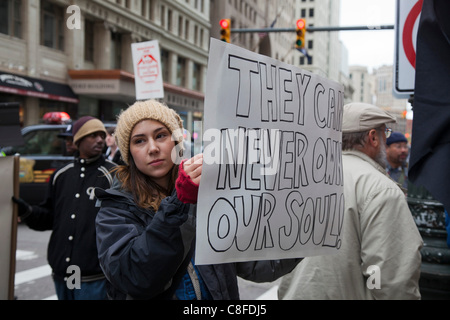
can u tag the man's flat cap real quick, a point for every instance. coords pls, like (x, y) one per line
(360, 117)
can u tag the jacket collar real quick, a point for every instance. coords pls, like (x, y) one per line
(90, 160)
(366, 158)
(114, 193)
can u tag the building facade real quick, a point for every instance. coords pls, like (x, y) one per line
(50, 61)
(326, 56)
(377, 88)
(324, 48)
(362, 82)
(345, 76)
(82, 50)
(383, 89)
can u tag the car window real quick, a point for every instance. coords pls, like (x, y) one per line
(41, 143)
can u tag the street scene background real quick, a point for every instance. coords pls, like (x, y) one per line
(33, 274)
(50, 62)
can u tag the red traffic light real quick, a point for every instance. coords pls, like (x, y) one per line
(225, 23)
(225, 32)
(301, 24)
(301, 30)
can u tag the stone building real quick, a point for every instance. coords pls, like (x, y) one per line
(75, 55)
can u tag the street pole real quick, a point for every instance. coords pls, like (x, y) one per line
(316, 29)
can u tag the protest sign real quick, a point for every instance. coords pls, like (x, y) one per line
(147, 70)
(272, 180)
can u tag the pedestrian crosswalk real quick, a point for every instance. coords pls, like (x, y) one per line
(32, 274)
(26, 280)
(25, 255)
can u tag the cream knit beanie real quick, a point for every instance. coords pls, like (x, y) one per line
(146, 110)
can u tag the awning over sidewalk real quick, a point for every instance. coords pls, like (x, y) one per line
(120, 85)
(26, 86)
(115, 85)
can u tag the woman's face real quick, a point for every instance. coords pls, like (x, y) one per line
(151, 147)
(110, 140)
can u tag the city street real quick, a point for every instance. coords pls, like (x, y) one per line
(288, 101)
(33, 274)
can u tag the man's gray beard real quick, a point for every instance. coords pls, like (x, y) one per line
(381, 156)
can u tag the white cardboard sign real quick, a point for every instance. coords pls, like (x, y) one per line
(272, 180)
(147, 70)
(7, 223)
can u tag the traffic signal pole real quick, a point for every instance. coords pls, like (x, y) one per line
(316, 29)
(300, 30)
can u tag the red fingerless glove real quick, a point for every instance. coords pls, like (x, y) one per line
(187, 190)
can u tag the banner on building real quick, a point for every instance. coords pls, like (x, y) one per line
(147, 70)
(272, 180)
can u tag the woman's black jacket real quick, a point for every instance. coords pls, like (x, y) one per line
(144, 254)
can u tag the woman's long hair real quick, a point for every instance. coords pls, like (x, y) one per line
(147, 194)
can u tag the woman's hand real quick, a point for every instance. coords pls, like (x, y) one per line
(193, 168)
(188, 181)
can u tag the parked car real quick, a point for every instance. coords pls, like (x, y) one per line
(42, 154)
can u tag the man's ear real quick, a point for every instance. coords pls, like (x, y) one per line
(374, 138)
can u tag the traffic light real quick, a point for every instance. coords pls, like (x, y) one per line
(225, 30)
(301, 31)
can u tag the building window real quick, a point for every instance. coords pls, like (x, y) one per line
(151, 9)
(186, 30)
(116, 50)
(144, 9)
(169, 21)
(52, 26)
(163, 17)
(181, 72)
(196, 77)
(202, 36)
(303, 13)
(180, 26)
(196, 35)
(89, 41)
(165, 64)
(11, 18)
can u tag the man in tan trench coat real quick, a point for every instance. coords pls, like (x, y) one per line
(380, 254)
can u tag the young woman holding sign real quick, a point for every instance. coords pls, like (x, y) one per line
(146, 224)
